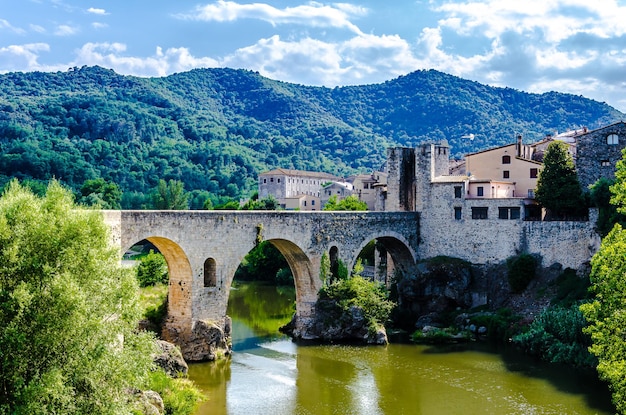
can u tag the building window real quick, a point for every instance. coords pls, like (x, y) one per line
(479, 212)
(480, 191)
(605, 163)
(508, 212)
(531, 194)
(278, 180)
(505, 174)
(533, 173)
(264, 180)
(506, 159)
(457, 213)
(312, 202)
(457, 192)
(612, 139)
(305, 203)
(272, 180)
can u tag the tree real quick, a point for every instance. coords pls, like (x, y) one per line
(351, 202)
(170, 196)
(558, 188)
(68, 310)
(152, 270)
(606, 314)
(99, 192)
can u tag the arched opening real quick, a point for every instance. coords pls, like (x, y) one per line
(263, 294)
(178, 287)
(210, 273)
(333, 255)
(384, 257)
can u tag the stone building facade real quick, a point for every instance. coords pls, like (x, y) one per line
(597, 152)
(480, 230)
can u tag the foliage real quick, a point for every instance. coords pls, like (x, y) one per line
(180, 396)
(370, 296)
(153, 302)
(152, 270)
(217, 129)
(268, 203)
(351, 202)
(570, 288)
(606, 313)
(600, 197)
(68, 310)
(558, 188)
(264, 263)
(556, 336)
(521, 271)
(170, 195)
(325, 274)
(618, 189)
(500, 325)
(99, 192)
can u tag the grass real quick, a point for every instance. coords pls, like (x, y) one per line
(153, 302)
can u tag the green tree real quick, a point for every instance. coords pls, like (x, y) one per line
(351, 202)
(99, 192)
(152, 270)
(607, 313)
(171, 196)
(607, 212)
(558, 188)
(68, 310)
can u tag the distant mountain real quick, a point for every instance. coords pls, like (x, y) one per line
(216, 129)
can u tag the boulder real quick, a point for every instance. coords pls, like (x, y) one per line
(171, 359)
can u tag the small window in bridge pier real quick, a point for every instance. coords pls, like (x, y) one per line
(210, 273)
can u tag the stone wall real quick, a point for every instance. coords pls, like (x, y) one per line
(595, 158)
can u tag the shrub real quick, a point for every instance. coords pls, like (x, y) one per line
(556, 336)
(152, 270)
(371, 297)
(180, 396)
(521, 271)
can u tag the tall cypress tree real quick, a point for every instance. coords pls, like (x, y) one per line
(558, 188)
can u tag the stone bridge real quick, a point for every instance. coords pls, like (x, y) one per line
(203, 250)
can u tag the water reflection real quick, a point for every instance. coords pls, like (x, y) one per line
(268, 374)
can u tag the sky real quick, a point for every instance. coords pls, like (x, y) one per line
(571, 46)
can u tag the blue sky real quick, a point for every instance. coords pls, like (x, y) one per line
(574, 46)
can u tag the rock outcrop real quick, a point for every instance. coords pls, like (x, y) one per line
(171, 360)
(327, 326)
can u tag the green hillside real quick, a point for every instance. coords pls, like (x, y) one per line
(216, 129)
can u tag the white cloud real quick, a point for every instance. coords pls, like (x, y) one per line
(66, 30)
(162, 63)
(312, 14)
(37, 28)
(99, 25)
(22, 57)
(94, 10)
(5, 25)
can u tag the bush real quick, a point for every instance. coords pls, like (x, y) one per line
(521, 271)
(152, 270)
(180, 396)
(369, 296)
(556, 336)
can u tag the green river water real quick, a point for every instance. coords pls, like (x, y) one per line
(269, 374)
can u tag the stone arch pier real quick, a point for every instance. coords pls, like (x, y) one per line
(203, 250)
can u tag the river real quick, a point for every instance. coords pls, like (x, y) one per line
(269, 374)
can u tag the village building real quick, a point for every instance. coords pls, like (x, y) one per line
(597, 152)
(503, 172)
(294, 189)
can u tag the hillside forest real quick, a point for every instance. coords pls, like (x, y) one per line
(215, 130)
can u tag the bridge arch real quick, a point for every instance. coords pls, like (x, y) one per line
(305, 274)
(402, 256)
(179, 296)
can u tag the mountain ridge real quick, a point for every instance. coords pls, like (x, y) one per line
(216, 129)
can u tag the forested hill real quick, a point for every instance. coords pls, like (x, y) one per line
(216, 129)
